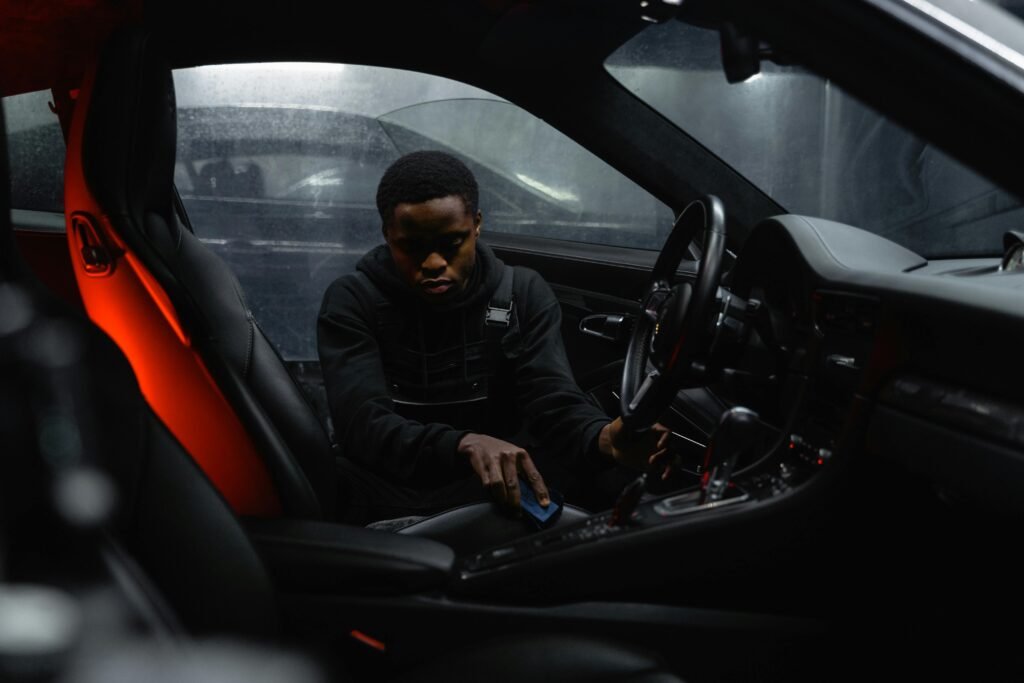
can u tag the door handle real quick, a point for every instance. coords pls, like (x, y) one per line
(97, 258)
(613, 327)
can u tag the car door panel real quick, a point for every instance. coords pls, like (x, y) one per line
(589, 280)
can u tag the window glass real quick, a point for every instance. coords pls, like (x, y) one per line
(814, 149)
(35, 148)
(534, 180)
(278, 166)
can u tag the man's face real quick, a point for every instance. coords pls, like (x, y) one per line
(433, 245)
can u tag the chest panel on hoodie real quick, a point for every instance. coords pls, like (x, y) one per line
(456, 365)
(437, 357)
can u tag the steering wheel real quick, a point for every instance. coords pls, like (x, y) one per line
(676, 324)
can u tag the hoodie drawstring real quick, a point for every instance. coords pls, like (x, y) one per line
(465, 355)
(423, 348)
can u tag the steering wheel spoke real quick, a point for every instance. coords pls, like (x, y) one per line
(645, 386)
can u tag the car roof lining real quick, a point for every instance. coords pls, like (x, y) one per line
(45, 43)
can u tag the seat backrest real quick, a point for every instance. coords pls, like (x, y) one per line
(58, 368)
(175, 309)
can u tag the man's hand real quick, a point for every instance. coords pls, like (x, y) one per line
(635, 450)
(498, 464)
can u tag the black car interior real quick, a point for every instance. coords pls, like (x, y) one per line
(190, 548)
(124, 193)
(844, 499)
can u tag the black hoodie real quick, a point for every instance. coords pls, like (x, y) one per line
(378, 342)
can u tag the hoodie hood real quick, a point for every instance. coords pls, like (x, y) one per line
(380, 268)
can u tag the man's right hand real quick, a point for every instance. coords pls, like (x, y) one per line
(637, 450)
(498, 464)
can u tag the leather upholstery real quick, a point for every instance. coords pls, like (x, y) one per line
(128, 154)
(189, 540)
(173, 522)
(310, 557)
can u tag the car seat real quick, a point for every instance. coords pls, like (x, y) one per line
(180, 316)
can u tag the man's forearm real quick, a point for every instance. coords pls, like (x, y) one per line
(387, 442)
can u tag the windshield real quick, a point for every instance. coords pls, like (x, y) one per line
(815, 150)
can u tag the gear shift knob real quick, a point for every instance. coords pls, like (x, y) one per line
(627, 501)
(736, 432)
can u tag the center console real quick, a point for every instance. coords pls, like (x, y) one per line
(796, 462)
(751, 466)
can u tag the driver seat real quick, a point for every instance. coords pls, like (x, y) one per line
(179, 313)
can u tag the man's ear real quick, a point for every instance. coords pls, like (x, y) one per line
(477, 222)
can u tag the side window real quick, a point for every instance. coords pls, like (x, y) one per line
(35, 148)
(533, 179)
(278, 165)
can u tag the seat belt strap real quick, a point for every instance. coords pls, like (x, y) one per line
(499, 308)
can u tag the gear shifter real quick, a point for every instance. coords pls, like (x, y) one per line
(736, 432)
(627, 501)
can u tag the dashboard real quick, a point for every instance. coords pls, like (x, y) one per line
(861, 357)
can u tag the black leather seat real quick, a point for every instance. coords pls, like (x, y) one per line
(170, 517)
(179, 313)
(174, 523)
(174, 308)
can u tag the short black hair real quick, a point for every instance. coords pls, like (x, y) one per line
(421, 176)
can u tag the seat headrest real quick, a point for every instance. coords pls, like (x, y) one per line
(130, 134)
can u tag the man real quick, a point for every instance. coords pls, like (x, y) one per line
(441, 362)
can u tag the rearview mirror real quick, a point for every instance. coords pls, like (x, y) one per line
(742, 53)
(741, 57)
